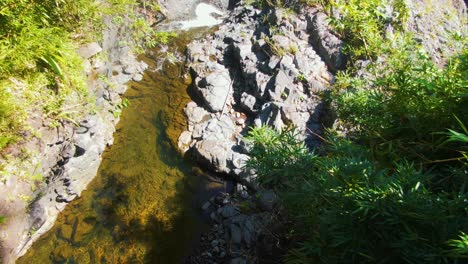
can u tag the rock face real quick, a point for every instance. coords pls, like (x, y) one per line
(247, 74)
(265, 67)
(436, 23)
(71, 153)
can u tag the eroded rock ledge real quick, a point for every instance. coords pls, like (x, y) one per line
(268, 67)
(70, 154)
(252, 73)
(262, 67)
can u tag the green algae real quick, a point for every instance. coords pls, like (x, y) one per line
(140, 207)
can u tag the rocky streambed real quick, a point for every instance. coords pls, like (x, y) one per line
(260, 67)
(143, 205)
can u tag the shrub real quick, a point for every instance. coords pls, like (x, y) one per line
(276, 155)
(347, 209)
(39, 69)
(405, 105)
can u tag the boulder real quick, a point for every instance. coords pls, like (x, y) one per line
(248, 102)
(214, 89)
(328, 45)
(213, 154)
(89, 50)
(194, 113)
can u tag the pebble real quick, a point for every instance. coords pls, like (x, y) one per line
(240, 121)
(214, 243)
(216, 249)
(137, 77)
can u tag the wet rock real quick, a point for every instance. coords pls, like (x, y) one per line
(228, 211)
(236, 235)
(239, 260)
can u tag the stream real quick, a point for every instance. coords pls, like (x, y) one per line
(143, 206)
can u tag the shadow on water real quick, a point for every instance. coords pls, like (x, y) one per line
(143, 205)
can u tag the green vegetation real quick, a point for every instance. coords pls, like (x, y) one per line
(2, 219)
(40, 71)
(348, 209)
(393, 189)
(405, 107)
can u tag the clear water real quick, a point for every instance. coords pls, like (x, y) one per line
(143, 205)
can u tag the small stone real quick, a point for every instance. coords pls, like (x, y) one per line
(238, 260)
(137, 77)
(228, 211)
(206, 206)
(89, 50)
(130, 69)
(222, 254)
(214, 243)
(240, 121)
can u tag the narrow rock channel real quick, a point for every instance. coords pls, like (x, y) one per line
(143, 205)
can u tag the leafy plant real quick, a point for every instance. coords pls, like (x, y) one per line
(459, 247)
(276, 155)
(40, 70)
(348, 209)
(405, 106)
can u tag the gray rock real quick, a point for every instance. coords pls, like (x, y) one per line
(273, 63)
(248, 102)
(243, 50)
(215, 89)
(184, 141)
(328, 45)
(282, 42)
(89, 50)
(214, 154)
(270, 116)
(267, 200)
(194, 113)
(137, 77)
(239, 160)
(282, 87)
(238, 260)
(228, 211)
(130, 69)
(214, 243)
(235, 235)
(121, 78)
